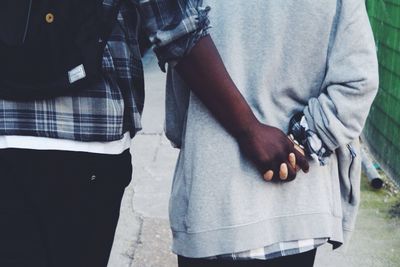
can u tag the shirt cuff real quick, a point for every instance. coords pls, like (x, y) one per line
(300, 130)
(175, 43)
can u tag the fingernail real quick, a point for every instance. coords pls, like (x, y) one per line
(268, 175)
(283, 172)
(292, 160)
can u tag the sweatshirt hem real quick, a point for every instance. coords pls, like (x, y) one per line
(257, 235)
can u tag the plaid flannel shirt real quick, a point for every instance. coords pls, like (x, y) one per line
(275, 251)
(105, 111)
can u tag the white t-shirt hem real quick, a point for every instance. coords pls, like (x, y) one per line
(45, 143)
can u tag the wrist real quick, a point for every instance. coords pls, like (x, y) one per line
(246, 129)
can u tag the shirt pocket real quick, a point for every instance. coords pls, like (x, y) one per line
(349, 164)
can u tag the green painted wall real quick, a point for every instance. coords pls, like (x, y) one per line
(382, 130)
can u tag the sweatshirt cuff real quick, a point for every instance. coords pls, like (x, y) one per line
(309, 140)
(313, 127)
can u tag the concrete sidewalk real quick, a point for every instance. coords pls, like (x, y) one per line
(143, 237)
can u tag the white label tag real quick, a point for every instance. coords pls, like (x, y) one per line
(76, 74)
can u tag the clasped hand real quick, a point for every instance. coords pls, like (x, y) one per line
(274, 154)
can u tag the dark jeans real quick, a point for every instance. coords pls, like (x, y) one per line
(59, 209)
(305, 259)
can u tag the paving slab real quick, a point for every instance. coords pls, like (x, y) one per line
(153, 181)
(154, 245)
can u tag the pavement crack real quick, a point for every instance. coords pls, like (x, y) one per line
(157, 151)
(138, 241)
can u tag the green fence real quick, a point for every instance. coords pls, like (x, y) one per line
(382, 130)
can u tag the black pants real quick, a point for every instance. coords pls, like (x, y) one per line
(305, 259)
(59, 208)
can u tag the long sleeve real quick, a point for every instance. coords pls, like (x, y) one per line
(173, 26)
(338, 114)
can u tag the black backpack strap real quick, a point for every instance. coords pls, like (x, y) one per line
(111, 19)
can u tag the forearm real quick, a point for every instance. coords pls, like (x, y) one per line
(205, 73)
(268, 147)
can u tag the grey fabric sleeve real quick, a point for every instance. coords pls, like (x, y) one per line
(338, 114)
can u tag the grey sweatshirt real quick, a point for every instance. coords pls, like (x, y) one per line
(285, 56)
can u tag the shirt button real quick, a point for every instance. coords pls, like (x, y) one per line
(50, 18)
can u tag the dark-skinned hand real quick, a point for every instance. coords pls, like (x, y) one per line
(272, 151)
